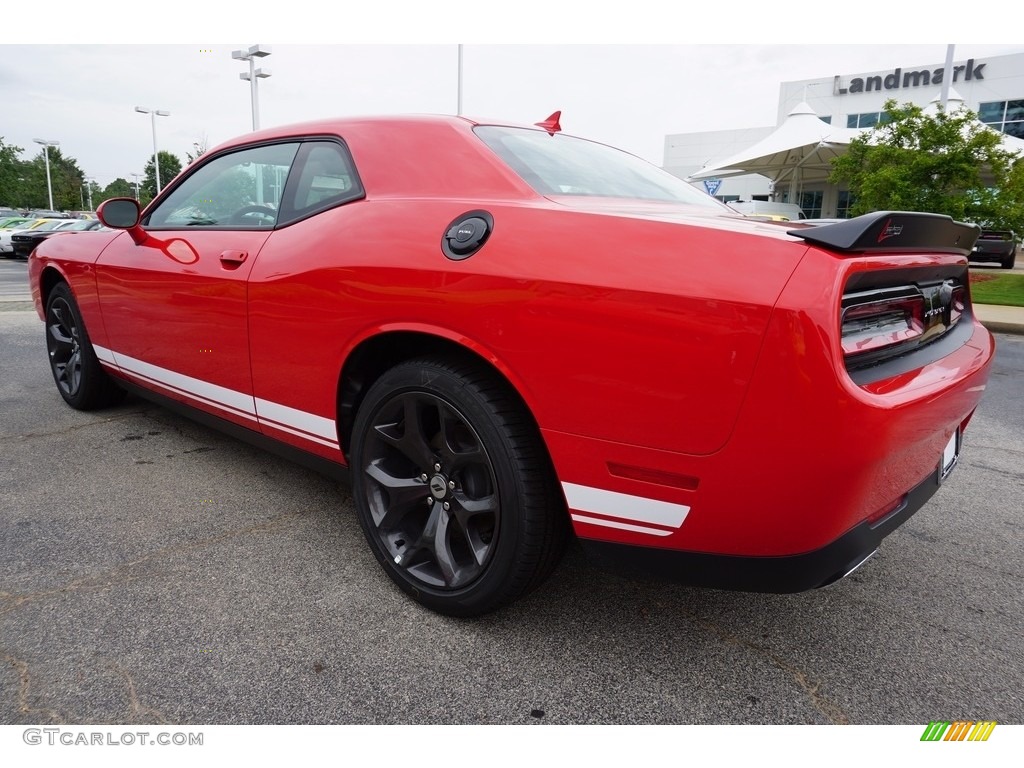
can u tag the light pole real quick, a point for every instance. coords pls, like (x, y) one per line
(46, 155)
(136, 175)
(254, 52)
(156, 154)
(88, 181)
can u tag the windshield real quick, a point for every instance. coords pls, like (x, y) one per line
(79, 225)
(565, 165)
(48, 225)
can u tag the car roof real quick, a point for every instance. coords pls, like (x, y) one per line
(432, 139)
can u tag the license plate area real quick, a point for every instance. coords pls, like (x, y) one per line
(950, 456)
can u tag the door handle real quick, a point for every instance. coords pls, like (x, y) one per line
(233, 257)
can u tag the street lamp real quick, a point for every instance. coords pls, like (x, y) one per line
(254, 52)
(136, 175)
(88, 182)
(46, 155)
(156, 155)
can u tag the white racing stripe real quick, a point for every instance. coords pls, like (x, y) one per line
(635, 509)
(236, 401)
(309, 426)
(622, 526)
(104, 355)
(309, 423)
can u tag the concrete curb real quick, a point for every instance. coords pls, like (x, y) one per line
(1001, 319)
(995, 326)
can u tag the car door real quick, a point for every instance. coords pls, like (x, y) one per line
(174, 307)
(295, 311)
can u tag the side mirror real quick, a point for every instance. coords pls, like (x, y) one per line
(122, 213)
(119, 213)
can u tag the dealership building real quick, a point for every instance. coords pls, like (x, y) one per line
(993, 87)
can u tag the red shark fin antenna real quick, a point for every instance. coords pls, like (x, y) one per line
(551, 125)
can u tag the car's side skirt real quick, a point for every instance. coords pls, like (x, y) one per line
(240, 405)
(319, 464)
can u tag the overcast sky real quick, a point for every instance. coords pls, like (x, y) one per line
(626, 94)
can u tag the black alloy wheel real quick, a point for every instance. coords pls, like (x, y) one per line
(80, 379)
(453, 488)
(63, 342)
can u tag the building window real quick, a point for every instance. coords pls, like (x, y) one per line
(866, 119)
(1005, 116)
(810, 203)
(844, 204)
(826, 119)
(727, 198)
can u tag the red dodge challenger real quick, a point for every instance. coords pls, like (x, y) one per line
(506, 335)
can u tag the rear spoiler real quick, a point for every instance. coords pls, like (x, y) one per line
(893, 231)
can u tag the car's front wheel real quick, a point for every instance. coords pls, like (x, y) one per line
(77, 372)
(453, 487)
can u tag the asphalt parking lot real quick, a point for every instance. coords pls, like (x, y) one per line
(155, 571)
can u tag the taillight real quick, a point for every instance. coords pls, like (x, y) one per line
(882, 323)
(868, 327)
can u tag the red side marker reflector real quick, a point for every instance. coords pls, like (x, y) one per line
(646, 475)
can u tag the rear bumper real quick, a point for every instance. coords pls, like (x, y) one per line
(23, 250)
(993, 251)
(791, 573)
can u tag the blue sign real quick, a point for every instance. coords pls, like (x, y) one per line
(712, 185)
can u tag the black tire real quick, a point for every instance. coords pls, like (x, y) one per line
(1009, 261)
(77, 372)
(454, 488)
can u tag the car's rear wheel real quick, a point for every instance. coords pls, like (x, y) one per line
(453, 487)
(77, 372)
(1009, 261)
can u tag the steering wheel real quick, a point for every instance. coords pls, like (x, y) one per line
(238, 217)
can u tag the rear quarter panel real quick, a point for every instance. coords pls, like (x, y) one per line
(624, 329)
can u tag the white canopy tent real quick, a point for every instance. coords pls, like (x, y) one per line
(802, 148)
(799, 150)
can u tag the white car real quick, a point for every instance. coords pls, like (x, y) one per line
(7, 249)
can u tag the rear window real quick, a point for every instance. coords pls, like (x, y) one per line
(565, 165)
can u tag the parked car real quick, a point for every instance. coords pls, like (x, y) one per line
(7, 247)
(507, 334)
(23, 243)
(8, 212)
(45, 214)
(773, 211)
(996, 245)
(10, 222)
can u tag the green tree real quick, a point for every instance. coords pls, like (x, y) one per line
(117, 188)
(1011, 200)
(942, 162)
(12, 173)
(170, 166)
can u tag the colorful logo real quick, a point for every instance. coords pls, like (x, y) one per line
(889, 230)
(960, 730)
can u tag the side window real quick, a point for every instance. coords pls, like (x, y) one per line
(241, 190)
(323, 177)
